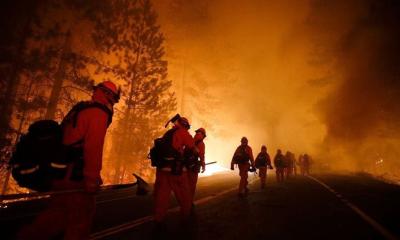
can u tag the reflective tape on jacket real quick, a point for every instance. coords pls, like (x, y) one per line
(58, 165)
(29, 170)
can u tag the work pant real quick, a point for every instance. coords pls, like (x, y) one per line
(280, 174)
(306, 170)
(243, 172)
(193, 176)
(71, 214)
(262, 173)
(165, 183)
(288, 172)
(303, 171)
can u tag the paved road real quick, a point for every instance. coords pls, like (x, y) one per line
(300, 208)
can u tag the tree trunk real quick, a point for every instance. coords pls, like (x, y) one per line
(6, 107)
(59, 78)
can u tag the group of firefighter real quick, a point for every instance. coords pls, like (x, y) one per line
(285, 165)
(71, 214)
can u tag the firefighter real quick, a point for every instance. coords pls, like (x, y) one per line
(279, 162)
(289, 162)
(197, 162)
(300, 164)
(295, 165)
(306, 164)
(241, 157)
(262, 162)
(172, 175)
(287, 165)
(72, 213)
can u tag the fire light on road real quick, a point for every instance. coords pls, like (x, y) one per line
(213, 169)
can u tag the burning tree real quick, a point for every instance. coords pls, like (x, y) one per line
(129, 34)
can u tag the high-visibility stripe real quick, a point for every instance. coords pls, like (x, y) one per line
(29, 170)
(57, 165)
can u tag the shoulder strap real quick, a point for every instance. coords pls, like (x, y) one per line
(169, 134)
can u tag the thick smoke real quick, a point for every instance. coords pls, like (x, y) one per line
(362, 113)
(311, 76)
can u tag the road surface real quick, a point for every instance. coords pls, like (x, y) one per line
(328, 206)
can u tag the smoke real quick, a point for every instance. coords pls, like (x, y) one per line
(362, 112)
(308, 76)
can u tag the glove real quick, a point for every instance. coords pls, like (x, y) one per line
(203, 167)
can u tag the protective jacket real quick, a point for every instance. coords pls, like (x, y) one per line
(72, 213)
(243, 154)
(201, 149)
(87, 134)
(279, 161)
(263, 160)
(182, 139)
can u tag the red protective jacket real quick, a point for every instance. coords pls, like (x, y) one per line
(201, 147)
(91, 127)
(182, 139)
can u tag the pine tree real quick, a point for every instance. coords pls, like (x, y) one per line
(43, 71)
(132, 38)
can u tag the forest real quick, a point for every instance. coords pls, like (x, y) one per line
(59, 50)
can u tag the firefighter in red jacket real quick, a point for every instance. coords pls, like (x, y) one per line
(198, 161)
(72, 213)
(172, 175)
(241, 157)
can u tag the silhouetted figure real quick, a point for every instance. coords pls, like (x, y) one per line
(262, 162)
(171, 174)
(279, 162)
(290, 164)
(242, 156)
(306, 164)
(287, 171)
(299, 163)
(197, 161)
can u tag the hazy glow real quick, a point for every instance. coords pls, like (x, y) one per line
(294, 75)
(213, 169)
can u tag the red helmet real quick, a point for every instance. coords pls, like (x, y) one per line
(202, 130)
(184, 122)
(110, 89)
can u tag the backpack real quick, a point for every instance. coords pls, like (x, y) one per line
(40, 156)
(241, 155)
(261, 160)
(279, 161)
(162, 151)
